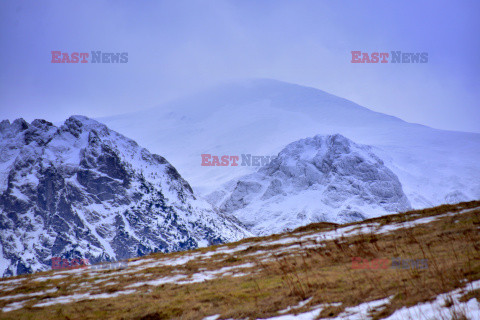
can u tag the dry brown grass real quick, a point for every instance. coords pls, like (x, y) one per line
(451, 244)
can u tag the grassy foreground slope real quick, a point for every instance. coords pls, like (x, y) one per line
(304, 274)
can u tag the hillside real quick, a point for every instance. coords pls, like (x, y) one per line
(417, 265)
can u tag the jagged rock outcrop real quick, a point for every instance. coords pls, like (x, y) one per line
(82, 190)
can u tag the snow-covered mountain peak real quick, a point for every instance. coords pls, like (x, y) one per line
(81, 190)
(323, 178)
(321, 152)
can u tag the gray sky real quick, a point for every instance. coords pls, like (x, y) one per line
(176, 47)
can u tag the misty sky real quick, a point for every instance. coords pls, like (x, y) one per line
(176, 47)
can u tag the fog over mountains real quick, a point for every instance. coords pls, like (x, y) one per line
(261, 117)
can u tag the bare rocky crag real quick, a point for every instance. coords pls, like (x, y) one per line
(82, 190)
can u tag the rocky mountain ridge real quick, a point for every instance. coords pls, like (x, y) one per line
(83, 190)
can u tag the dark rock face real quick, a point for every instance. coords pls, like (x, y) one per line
(84, 191)
(324, 178)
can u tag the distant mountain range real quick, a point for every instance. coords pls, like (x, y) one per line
(82, 190)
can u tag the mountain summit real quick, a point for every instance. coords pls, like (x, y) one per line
(318, 179)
